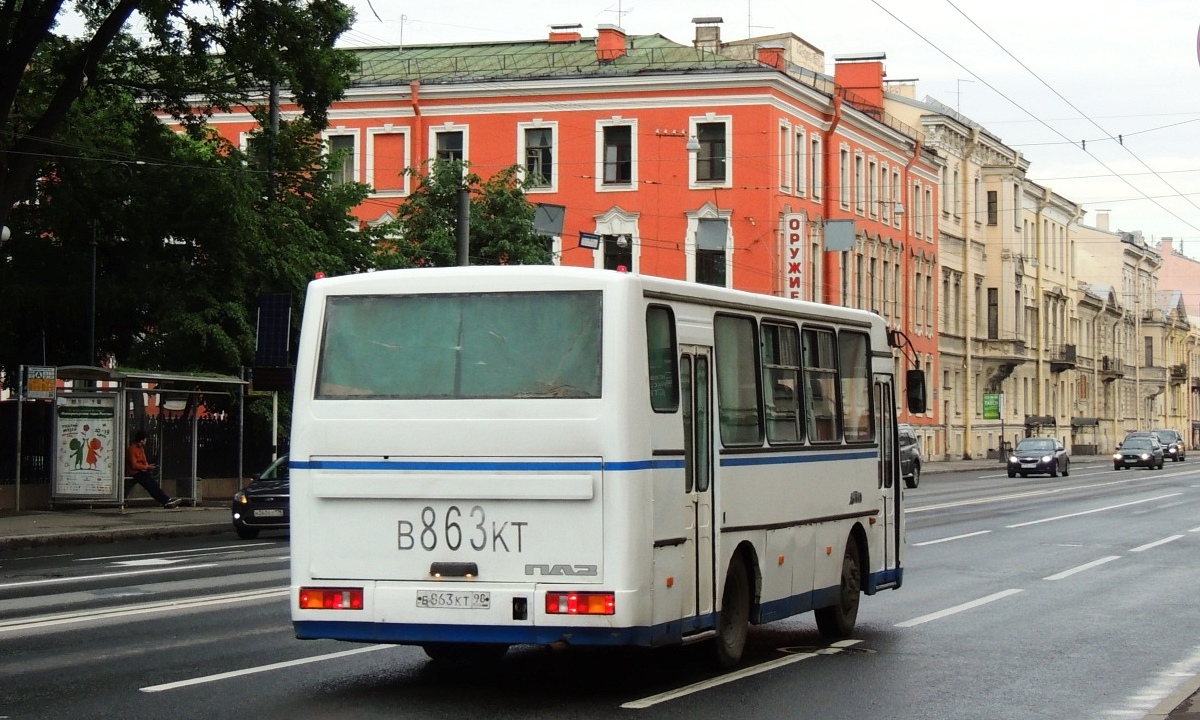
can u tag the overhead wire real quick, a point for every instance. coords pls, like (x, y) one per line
(1016, 104)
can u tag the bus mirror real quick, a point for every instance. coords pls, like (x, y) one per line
(914, 390)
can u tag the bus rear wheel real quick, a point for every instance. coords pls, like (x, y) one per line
(733, 622)
(837, 621)
(465, 654)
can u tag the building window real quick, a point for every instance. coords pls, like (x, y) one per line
(872, 189)
(801, 178)
(785, 157)
(539, 157)
(993, 313)
(449, 146)
(814, 158)
(860, 199)
(618, 155)
(844, 179)
(993, 207)
(618, 252)
(710, 161)
(711, 237)
(341, 148)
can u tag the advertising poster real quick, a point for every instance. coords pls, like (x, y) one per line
(87, 452)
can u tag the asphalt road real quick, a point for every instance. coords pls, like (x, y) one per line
(1038, 598)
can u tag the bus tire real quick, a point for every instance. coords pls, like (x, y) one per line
(465, 654)
(733, 621)
(837, 621)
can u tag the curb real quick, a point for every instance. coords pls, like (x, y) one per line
(87, 537)
(1181, 700)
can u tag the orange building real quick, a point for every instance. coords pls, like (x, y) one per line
(714, 162)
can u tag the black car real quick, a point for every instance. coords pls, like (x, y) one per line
(1036, 455)
(263, 504)
(1139, 451)
(910, 455)
(1172, 442)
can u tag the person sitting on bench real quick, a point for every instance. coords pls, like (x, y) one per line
(137, 466)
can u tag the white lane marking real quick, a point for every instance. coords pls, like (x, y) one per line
(146, 562)
(173, 552)
(1030, 493)
(102, 576)
(948, 539)
(735, 675)
(958, 608)
(1081, 568)
(1156, 543)
(261, 669)
(1089, 512)
(47, 621)
(1195, 529)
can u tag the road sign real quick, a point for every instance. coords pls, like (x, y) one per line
(40, 381)
(993, 406)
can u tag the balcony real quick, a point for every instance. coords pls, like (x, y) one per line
(1179, 374)
(1008, 350)
(1062, 358)
(1111, 368)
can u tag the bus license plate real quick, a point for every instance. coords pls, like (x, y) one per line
(268, 513)
(454, 600)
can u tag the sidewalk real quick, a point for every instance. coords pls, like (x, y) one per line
(83, 526)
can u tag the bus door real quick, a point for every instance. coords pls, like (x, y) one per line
(889, 471)
(699, 537)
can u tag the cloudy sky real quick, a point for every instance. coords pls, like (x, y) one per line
(1103, 97)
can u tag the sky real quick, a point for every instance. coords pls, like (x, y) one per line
(1102, 97)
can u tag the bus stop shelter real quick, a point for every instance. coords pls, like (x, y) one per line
(97, 410)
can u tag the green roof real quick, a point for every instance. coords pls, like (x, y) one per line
(645, 55)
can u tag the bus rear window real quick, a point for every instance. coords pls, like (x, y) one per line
(486, 345)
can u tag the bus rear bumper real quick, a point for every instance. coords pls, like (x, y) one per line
(412, 634)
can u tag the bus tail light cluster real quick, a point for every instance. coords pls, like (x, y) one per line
(580, 603)
(325, 598)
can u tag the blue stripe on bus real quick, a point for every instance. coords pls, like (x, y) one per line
(568, 465)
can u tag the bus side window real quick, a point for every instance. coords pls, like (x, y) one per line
(661, 358)
(820, 373)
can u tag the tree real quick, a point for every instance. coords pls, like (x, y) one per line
(224, 54)
(185, 236)
(501, 221)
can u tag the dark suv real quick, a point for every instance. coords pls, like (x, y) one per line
(1172, 442)
(910, 456)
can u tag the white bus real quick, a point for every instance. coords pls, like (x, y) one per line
(490, 456)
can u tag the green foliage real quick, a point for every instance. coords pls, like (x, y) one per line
(501, 221)
(186, 238)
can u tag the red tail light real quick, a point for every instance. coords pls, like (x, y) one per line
(331, 598)
(580, 603)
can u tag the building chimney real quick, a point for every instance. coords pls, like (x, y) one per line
(565, 33)
(1102, 220)
(770, 55)
(708, 33)
(861, 74)
(1165, 246)
(610, 44)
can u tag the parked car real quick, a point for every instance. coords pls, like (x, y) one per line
(1036, 455)
(1172, 442)
(263, 504)
(910, 456)
(1139, 451)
